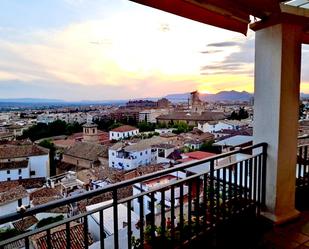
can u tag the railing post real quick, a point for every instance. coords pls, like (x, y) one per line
(264, 171)
(211, 192)
(115, 206)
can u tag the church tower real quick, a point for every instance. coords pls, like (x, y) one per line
(90, 133)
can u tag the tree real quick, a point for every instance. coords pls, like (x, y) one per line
(144, 126)
(208, 147)
(46, 143)
(241, 114)
(181, 127)
(55, 128)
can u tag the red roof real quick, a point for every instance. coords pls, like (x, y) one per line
(198, 155)
(184, 160)
(124, 128)
(58, 238)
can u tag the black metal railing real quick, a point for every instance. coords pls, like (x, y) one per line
(170, 214)
(302, 167)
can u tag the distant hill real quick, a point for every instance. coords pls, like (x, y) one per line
(31, 100)
(304, 95)
(220, 96)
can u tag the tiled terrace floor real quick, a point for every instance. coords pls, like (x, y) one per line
(249, 233)
(292, 235)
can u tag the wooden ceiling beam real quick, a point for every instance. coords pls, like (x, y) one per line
(201, 14)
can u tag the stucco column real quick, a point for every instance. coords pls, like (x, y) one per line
(276, 103)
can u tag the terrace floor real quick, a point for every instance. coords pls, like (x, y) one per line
(250, 233)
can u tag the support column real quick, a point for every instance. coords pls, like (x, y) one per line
(276, 104)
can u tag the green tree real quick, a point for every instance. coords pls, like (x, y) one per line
(241, 114)
(46, 143)
(144, 126)
(208, 147)
(181, 127)
(55, 128)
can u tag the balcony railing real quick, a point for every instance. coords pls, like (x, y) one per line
(188, 207)
(302, 170)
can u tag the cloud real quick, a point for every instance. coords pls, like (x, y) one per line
(224, 44)
(211, 51)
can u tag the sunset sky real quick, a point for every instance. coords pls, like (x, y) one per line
(116, 49)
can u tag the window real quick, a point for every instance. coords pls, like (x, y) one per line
(20, 177)
(141, 153)
(113, 153)
(8, 171)
(146, 152)
(32, 172)
(19, 171)
(117, 134)
(93, 130)
(20, 202)
(9, 179)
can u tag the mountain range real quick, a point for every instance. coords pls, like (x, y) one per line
(177, 97)
(220, 96)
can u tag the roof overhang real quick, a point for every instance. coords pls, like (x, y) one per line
(235, 15)
(288, 14)
(197, 10)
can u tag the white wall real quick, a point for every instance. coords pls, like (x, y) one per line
(40, 164)
(11, 207)
(138, 158)
(14, 174)
(114, 135)
(206, 127)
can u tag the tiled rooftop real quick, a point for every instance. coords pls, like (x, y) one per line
(16, 151)
(58, 238)
(11, 193)
(13, 165)
(25, 223)
(124, 128)
(88, 151)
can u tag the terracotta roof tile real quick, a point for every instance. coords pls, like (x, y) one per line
(13, 165)
(12, 194)
(88, 151)
(124, 128)
(58, 238)
(16, 151)
(25, 223)
(198, 155)
(44, 192)
(205, 116)
(26, 183)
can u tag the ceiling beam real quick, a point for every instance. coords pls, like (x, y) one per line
(305, 39)
(197, 13)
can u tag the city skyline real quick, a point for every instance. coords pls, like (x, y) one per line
(98, 50)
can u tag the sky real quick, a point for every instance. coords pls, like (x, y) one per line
(117, 49)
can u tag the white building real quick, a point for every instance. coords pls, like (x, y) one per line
(12, 196)
(155, 183)
(165, 130)
(214, 126)
(163, 151)
(108, 223)
(235, 141)
(47, 118)
(23, 161)
(122, 132)
(129, 156)
(150, 115)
